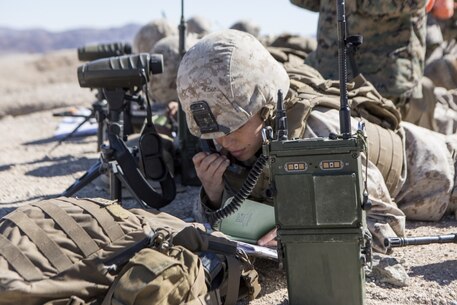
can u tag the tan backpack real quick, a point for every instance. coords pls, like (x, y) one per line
(69, 251)
(175, 276)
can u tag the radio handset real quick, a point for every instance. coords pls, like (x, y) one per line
(207, 123)
(208, 146)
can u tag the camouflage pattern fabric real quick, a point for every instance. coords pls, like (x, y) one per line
(434, 37)
(198, 25)
(441, 66)
(392, 54)
(152, 32)
(162, 87)
(430, 174)
(449, 28)
(295, 42)
(246, 26)
(451, 141)
(420, 111)
(446, 111)
(234, 74)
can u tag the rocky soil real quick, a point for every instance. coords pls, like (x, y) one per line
(32, 87)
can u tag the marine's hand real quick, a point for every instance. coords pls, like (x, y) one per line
(172, 109)
(269, 239)
(210, 169)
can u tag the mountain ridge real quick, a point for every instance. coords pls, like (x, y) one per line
(37, 40)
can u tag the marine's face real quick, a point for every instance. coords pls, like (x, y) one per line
(245, 141)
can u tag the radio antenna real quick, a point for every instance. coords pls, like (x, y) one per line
(345, 111)
(182, 32)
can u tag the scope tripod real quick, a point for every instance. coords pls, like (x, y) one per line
(98, 111)
(119, 163)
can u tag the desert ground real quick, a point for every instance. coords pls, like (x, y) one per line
(33, 87)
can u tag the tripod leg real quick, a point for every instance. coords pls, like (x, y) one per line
(99, 109)
(120, 178)
(87, 118)
(100, 134)
(115, 186)
(93, 172)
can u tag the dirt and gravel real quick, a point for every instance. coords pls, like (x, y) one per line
(32, 87)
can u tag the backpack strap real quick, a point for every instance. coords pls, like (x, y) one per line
(39, 237)
(73, 300)
(213, 297)
(74, 231)
(233, 280)
(383, 150)
(103, 217)
(18, 260)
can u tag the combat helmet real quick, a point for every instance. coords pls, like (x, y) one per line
(199, 25)
(162, 87)
(246, 26)
(234, 75)
(150, 33)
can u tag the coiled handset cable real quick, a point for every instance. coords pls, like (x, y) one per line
(243, 193)
(254, 174)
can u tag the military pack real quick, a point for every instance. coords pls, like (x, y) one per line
(70, 251)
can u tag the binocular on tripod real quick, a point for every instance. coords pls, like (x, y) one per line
(127, 71)
(99, 107)
(120, 78)
(97, 51)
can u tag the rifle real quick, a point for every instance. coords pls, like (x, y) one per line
(392, 242)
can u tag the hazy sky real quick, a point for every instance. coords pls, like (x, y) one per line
(273, 16)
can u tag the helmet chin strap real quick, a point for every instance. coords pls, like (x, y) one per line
(266, 112)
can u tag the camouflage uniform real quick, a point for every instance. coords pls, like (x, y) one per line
(449, 28)
(434, 36)
(441, 68)
(426, 194)
(392, 54)
(152, 32)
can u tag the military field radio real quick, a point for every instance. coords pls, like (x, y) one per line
(319, 201)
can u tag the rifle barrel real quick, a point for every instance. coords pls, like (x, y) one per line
(423, 240)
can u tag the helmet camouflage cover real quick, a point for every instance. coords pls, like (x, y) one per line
(246, 26)
(150, 33)
(198, 25)
(162, 87)
(234, 74)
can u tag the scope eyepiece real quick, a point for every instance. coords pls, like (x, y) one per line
(97, 51)
(120, 72)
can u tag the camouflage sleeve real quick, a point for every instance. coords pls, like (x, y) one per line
(430, 182)
(312, 5)
(389, 7)
(207, 205)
